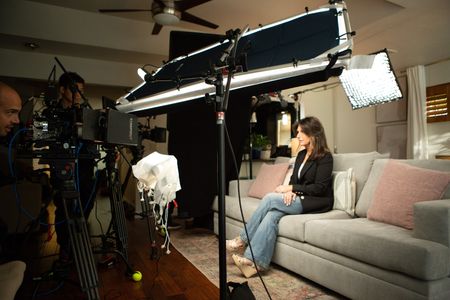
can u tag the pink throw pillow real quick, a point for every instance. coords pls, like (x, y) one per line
(399, 187)
(268, 178)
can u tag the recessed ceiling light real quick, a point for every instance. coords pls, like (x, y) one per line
(32, 45)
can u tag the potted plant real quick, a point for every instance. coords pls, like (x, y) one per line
(262, 145)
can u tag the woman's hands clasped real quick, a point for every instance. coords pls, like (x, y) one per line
(288, 195)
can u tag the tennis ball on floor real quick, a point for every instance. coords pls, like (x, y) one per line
(137, 276)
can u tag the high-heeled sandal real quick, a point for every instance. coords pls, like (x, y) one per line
(235, 245)
(246, 266)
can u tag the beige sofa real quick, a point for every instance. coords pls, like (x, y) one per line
(11, 277)
(352, 255)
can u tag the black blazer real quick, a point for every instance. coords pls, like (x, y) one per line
(314, 184)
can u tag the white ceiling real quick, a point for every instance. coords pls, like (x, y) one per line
(417, 31)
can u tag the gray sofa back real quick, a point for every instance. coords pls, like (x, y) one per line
(361, 164)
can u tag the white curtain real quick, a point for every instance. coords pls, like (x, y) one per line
(417, 139)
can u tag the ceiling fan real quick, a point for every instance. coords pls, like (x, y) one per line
(169, 12)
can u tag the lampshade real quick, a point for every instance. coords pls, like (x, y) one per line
(253, 118)
(369, 80)
(164, 18)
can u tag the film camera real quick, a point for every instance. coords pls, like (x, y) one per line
(62, 130)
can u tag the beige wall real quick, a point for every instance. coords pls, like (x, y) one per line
(347, 130)
(350, 130)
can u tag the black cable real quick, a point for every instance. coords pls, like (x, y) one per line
(98, 219)
(123, 156)
(241, 210)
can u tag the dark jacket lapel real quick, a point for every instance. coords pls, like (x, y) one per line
(307, 165)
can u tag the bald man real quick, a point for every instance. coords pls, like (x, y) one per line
(10, 106)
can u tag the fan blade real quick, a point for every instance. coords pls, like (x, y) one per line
(196, 20)
(156, 29)
(185, 5)
(121, 10)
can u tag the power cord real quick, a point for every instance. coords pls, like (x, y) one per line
(241, 210)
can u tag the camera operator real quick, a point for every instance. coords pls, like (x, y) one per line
(70, 97)
(10, 106)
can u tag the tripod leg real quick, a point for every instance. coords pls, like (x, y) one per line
(81, 246)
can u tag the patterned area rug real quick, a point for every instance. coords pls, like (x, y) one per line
(201, 248)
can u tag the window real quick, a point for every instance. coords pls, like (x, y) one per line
(438, 103)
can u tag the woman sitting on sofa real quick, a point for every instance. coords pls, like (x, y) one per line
(309, 191)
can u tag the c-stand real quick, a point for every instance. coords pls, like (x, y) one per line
(146, 208)
(117, 227)
(221, 104)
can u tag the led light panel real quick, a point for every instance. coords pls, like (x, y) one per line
(370, 80)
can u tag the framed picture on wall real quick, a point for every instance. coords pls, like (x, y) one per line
(392, 139)
(394, 111)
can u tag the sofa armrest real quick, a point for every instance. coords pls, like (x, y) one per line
(245, 185)
(432, 221)
(11, 277)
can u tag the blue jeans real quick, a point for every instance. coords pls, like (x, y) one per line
(262, 227)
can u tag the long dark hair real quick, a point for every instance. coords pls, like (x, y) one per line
(312, 127)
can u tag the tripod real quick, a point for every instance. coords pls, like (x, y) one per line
(79, 239)
(77, 228)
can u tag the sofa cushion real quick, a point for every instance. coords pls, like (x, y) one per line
(268, 178)
(293, 226)
(399, 187)
(365, 199)
(344, 190)
(244, 187)
(386, 246)
(232, 210)
(361, 164)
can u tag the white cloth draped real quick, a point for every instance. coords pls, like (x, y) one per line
(158, 172)
(417, 139)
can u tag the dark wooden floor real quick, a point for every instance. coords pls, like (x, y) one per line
(169, 277)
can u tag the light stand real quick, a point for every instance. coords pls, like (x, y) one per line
(117, 227)
(221, 103)
(253, 121)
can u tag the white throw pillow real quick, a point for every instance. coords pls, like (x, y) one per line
(344, 188)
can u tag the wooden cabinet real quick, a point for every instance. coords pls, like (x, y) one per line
(443, 156)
